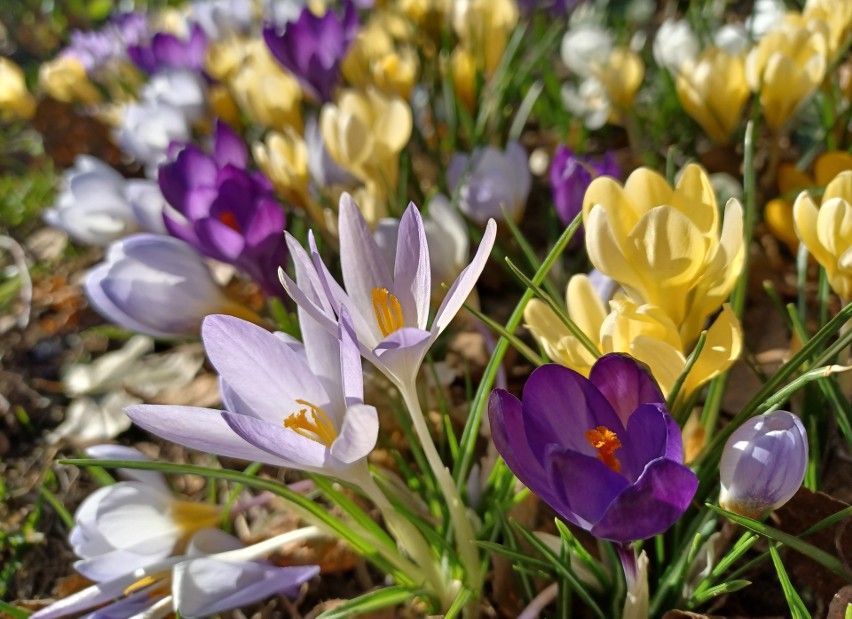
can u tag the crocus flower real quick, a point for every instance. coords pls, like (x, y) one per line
(313, 47)
(763, 464)
(786, 67)
(611, 462)
(146, 129)
(586, 46)
(713, 91)
(665, 245)
(490, 179)
(223, 210)
(167, 51)
(64, 78)
(675, 45)
(389, 309)
(216, 574)
(483, 28)
(644, 331)
(183, 89)
(97, 205)
(108, 533)
(16, 102)
(570, 176)
(158, 286)
(285, 405)
(827, 231)
(836, 14)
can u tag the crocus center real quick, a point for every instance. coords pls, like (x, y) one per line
(312, 422)
(230, 220)
(606, 442)
(388, 311)
(191, 516)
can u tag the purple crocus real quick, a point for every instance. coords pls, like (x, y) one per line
(223, 210)
(285, 405)
(312, 48)
(603, 452)
(168, 51)
(571, 175)
(389, 308)
(763, 464)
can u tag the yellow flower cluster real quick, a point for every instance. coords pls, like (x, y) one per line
(16, 102)
(676, 263)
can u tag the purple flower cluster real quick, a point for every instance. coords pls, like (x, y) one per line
(97, 48)
(224, 210)
(312, 48)
(603, 452)
(167, 51)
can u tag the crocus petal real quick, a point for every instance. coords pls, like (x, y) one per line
(206, 586)
(265, 372)
(202, 429)
(351, 376)
(82, 600)
(585, 485)
(358, 435)
(651, 505)
(465, 282)
(403, 350)
(364, 269)
(412, 277)
(651, 433)
(625, 384)
(298, 451)
(154, 479)
(228, 147)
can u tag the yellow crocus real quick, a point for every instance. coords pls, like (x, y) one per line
(787, 66)
(265, 92)
(666, 246)
(380, 56)
(778, 212)
(827, 231)
(644, 331)
(283, 157)
(64, 78)
(463, 68)
(483, 27)
(364, 133)
(713, 91)
(16, 102)
(621, 76)
(837, 14)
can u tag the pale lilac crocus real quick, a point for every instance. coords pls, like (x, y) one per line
(763, 464)
(97, 205)
(389, 308)
(132, 524)
(490, 180)
(216, 573)
(158, 286)
(285, 405)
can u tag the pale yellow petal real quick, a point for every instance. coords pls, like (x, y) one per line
(721, 348)
(585, 307)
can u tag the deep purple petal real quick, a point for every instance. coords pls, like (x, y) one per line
(625, 383)
(647, 438)
(584, 485)
(509, 434)
(651, 505)
(218, 240)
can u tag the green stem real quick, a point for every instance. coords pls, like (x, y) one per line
(459, 520)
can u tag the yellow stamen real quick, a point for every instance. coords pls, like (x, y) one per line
(606, 442)
(140, 584)
(317, 427)
(191, 516)
(388, 311)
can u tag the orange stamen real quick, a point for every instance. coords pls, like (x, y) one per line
(388, 311)
(317, 427)
(606, 442)
(229, 220)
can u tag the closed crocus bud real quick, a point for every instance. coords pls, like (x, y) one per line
(64, 78)
(484, 26)
(365, 132)
(15, 100)
(827, 231)
(489, 180)
(158, 286)
(787, 66)
(837, 14)
(713, 91)
(266, 93)
(621, 75)
(763, 464)
(283, 157)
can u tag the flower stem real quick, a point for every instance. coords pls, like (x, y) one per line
(458, 517)
(409, 539)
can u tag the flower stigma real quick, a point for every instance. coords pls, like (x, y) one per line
(388, 311)
(162, 587)
(312, 423)
(606, 442)
(230, 220)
